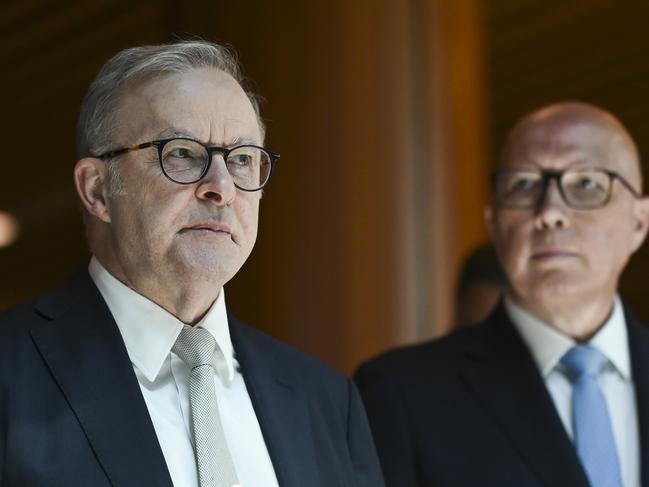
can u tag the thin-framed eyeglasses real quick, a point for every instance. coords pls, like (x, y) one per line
(187, 161)
(580, 189)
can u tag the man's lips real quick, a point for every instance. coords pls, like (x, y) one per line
(545, 254)
(209, 227)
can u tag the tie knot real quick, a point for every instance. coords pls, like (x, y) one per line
(583, 360)
(195, 346)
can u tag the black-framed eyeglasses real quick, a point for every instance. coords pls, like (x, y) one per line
(186, 161)
(581, 189)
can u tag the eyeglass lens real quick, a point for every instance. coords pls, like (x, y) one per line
(581, 189)
(185, 161)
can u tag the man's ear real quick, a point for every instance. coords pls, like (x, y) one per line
(641, 217)
(91, 181)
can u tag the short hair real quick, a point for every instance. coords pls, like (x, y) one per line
(481, 266)
(99, 108)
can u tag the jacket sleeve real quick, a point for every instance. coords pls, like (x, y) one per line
(390, 425)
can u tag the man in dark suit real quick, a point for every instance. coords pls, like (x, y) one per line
(133, 373)
(553, 388)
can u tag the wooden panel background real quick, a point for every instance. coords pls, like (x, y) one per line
(387, 114)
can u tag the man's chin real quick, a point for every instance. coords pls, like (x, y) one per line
(559, 287)
(205, 261)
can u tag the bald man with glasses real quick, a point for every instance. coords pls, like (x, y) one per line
(553, 388)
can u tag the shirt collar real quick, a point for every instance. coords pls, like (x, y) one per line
(548, 345)
(149, 331)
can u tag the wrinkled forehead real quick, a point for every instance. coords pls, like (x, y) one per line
(561, 143)
(205, 104)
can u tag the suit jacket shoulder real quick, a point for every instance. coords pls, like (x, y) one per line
(72, 413)
(467, 409)
(417, 360)
(71, 409)
(305, 365)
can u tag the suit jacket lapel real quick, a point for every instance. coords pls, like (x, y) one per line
(639, 349)
(280, 406)
(85, 353)
(503, 376)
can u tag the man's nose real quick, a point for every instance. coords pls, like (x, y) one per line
(552, 210)
(217, 185)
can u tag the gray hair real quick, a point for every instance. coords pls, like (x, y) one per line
(97, 119)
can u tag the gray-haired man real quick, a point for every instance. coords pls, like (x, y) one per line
(133, 372)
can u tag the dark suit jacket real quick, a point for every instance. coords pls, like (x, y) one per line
(72, 414)
(471, 409)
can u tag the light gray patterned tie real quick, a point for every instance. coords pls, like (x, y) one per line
(196, 346)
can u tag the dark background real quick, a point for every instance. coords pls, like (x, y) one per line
(374, 105)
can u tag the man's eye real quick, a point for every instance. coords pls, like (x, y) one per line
(588, 184)
(240, 159)
(523, 184)
(594, 183)
(182, 153)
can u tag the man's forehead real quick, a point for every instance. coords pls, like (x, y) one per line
(539, 139)
(205, 104)
(576, 139)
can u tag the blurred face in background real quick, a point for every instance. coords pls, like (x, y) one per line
(476, 302)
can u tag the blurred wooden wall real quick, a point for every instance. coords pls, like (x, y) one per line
(388, 115)
(384, 176)
(378, 110)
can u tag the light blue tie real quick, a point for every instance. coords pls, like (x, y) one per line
(592, 426)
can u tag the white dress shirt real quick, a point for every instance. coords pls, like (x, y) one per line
(548, 345)
(149, 333)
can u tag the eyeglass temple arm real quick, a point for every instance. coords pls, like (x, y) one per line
(119, 152)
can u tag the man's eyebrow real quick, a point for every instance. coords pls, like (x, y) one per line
(244, 141)
(170, 134)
